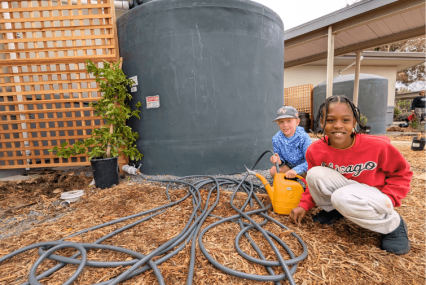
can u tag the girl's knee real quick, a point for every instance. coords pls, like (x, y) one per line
(316, 173)
(339, 200)
(347, 203)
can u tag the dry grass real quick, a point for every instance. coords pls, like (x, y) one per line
(340, 254)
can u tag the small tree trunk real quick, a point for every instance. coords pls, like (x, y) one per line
(111, 127)
(108, 153)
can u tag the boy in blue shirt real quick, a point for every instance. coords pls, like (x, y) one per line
(290, 144)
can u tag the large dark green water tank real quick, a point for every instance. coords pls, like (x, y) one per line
(372, 97)
(217, 66)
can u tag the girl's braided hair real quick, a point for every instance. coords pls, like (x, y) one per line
(323, 109)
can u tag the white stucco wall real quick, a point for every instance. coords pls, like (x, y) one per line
(315, 75)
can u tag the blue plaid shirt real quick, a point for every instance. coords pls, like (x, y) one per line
(292, 150)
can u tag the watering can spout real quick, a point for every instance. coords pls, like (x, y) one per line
(265, 182)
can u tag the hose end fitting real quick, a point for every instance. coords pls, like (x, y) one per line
(249, 171)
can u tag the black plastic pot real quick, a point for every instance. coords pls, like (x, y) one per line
(105, 171)
(403, 125)
(305, 121)
(365, 131)
(418, 144)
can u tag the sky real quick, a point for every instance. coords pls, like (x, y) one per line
(296, 12)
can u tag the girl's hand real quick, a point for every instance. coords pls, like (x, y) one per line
(297, 215)
(291, 173)
(275, 158)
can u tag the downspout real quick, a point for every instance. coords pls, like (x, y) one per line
(350, 65)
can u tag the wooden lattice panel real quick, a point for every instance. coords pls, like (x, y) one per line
(45, 88)
(46, 31)
(299, 97)
(42, 106)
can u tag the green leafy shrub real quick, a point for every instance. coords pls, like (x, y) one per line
(363, 119)
(402, 116)
(414, 124)
(396, 112)
(403, 104)
(113, 108)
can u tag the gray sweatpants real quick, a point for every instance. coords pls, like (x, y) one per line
(420, 114)
(364, 205)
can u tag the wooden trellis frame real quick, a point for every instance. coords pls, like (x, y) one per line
(60, 31)
(300, 97)
(45, 88)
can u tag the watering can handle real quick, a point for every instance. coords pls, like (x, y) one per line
(297, 176)
(301, 178)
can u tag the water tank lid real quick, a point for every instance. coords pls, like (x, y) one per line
(151, 6)
(351, 77)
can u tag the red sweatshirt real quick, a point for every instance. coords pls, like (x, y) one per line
(371, 160)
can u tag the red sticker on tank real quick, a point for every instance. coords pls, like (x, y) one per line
(153, 101)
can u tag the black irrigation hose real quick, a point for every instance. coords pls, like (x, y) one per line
(142, 263)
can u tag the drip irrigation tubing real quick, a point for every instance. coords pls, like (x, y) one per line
(190, 234)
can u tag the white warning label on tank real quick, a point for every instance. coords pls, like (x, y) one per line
(134, 89)
(135, 79)
(153, 102)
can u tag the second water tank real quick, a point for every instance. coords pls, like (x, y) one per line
(372, 97)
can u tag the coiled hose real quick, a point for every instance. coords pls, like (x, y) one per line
(142, 263)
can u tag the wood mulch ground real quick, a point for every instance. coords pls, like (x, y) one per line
(339, 254)
(406, 130)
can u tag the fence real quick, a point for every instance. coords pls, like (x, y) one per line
(45, 90)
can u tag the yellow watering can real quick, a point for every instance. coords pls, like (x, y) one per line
(285, 194)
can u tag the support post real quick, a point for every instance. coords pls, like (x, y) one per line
(356, 81)
(330, 62)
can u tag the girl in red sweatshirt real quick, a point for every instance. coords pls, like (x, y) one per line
(357, 176)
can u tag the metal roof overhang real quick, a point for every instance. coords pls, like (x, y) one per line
(363, 25)
(400, 60)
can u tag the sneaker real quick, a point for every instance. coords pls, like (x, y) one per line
(397, 241)
(327, 218)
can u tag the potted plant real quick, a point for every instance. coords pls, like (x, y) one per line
(114, 138)
(364, 128)
(418, 143)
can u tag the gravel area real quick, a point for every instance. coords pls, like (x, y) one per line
(226, 187)
(17, 224)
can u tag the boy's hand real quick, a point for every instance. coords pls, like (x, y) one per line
(297, 215)
(276, 158)
(291, 173)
